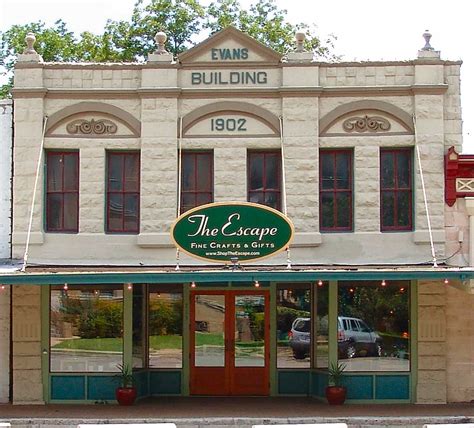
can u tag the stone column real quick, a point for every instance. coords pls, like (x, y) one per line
(4, 344)
(431, 387)
(26, 325)
(470, 213)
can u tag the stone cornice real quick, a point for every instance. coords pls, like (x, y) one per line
(212, 92)
(264, 64)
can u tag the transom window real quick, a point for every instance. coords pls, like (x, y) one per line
(196, 179)
(396, 189)
(62, 191)
(264, 178)
(123, 192)
(335, 190)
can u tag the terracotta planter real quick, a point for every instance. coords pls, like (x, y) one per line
(126, 396)
(336, 394)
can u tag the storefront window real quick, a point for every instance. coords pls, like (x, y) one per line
(165, 326)
(293, 326)
(86, 333)
(374, 325)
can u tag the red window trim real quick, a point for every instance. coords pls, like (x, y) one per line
(397, 190)
(62, 192)
(123, 192)
(349, 190)
(265, 190)
(195, 192)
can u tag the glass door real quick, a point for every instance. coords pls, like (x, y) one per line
(229, 343)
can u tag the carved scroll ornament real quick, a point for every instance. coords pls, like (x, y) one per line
(366, 124)
(98, 127)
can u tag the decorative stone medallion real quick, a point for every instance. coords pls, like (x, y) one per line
(98, 127)
(366, 124)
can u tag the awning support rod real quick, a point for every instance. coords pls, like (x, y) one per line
(283, 182)
(38, 168)
(425, 199)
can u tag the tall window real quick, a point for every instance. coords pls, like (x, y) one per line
(196, 179)
(123, 192)
(62, 191)
(335, 190)
(396, 189)
(264, 178)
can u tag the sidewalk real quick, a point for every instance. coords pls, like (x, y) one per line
(200, 408)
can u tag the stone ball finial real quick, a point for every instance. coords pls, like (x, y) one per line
(300, 37)
(427, 37)
(30, 40)
(160, 39)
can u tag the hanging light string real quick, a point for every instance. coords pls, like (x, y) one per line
(35, 188)
(433, 254)
(283, 182)
(178, 209)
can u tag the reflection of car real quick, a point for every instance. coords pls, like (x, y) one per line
(354, 338)
(300, 337)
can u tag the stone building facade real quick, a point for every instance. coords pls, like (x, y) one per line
(237, 102)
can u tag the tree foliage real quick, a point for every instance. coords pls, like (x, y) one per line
(185, 23)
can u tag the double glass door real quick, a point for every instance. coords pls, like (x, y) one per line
(229, 343)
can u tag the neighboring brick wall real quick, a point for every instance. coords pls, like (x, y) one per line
(460, 345)
(431, 387)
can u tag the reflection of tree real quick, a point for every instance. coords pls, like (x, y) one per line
(384, 309)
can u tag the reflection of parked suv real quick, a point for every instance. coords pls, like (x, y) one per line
(354, 338)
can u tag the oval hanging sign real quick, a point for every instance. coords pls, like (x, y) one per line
(232, 232)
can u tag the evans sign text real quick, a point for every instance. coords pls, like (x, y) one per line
(240, 231)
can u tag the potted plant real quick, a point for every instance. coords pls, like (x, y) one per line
(126, 393)
(336, 391)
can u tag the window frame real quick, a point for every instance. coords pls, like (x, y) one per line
(396, 190)
(274, 153)
(123, 192)
(62, 153)
(195, 192)
(334, 191)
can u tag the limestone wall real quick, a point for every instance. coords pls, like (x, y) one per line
(4, 344)
(158, 96)
(432, 347)
(26, 325)
(459, 345)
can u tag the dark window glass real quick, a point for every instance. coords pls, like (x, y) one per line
(396, 189)
(293, 326)
(196, 179)
(264, 181)
(62, 191)
(335, 192)
(123, 192)
(374, 325)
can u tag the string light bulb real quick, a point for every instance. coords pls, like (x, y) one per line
(193, 284)
(65, 287)
(129, 286)
(257, 284)
(446, 281)
(383, 283)
(320, 283)
(2, 287)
